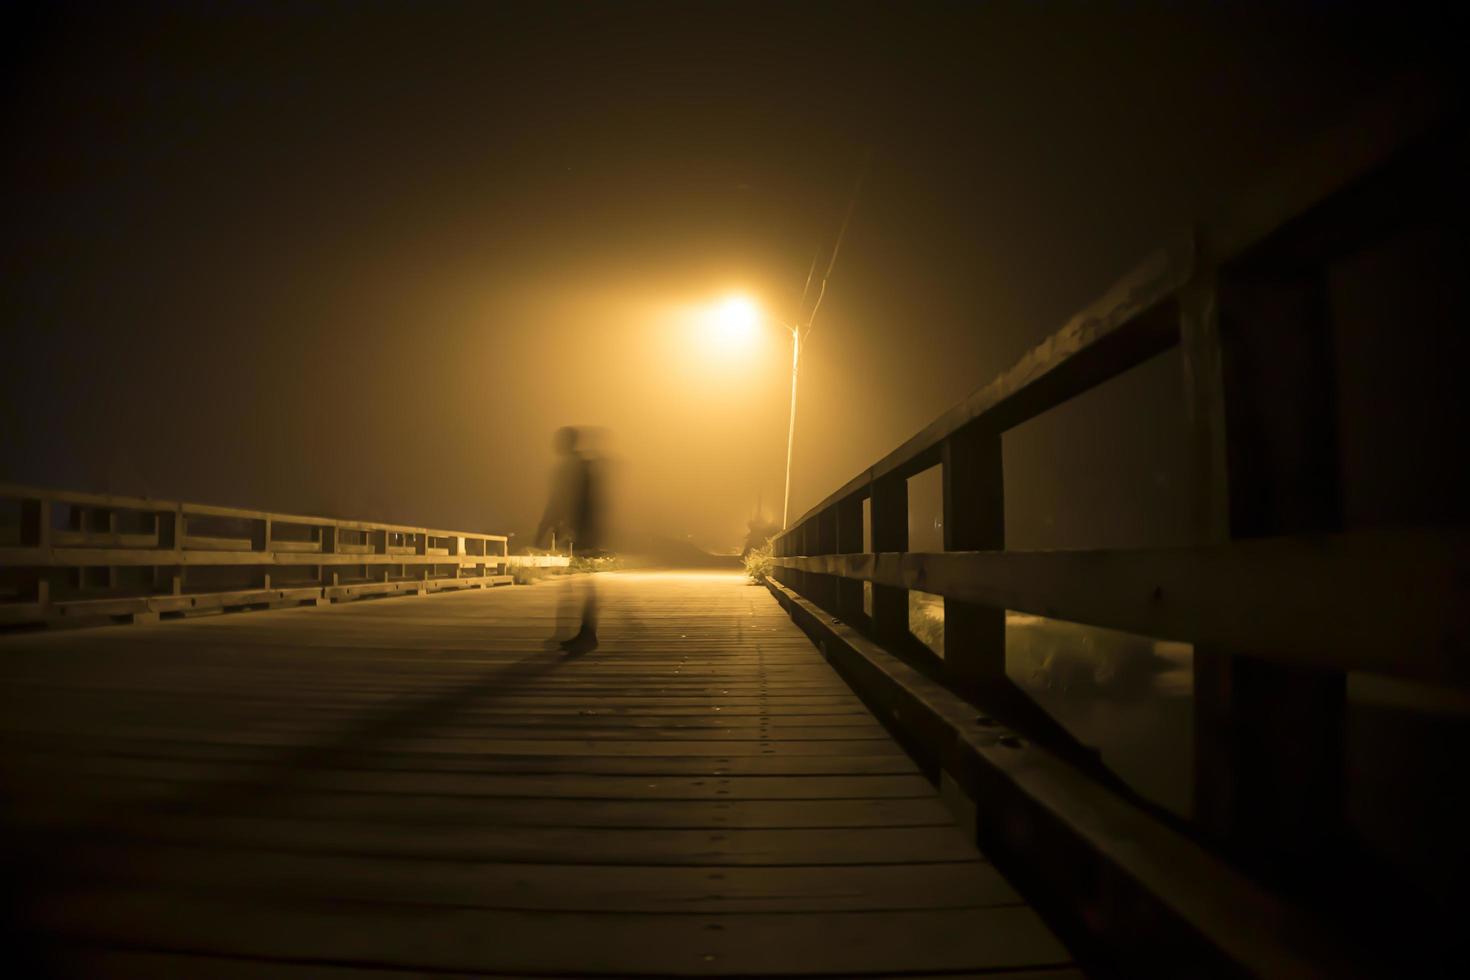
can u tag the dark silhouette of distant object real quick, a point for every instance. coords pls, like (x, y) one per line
(761, 530)
(649, 549)
(576, 510)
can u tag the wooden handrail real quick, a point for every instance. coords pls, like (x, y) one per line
(1280, 595)
(137, 558)
(1171, 299)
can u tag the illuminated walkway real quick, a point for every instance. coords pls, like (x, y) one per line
(414, 784)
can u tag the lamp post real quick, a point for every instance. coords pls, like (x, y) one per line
(735, 321)
(791, 426)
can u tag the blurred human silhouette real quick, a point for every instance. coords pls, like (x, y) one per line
(575, 513)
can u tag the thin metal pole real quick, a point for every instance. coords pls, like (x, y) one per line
(791, 429)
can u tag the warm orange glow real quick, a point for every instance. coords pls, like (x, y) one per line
(733, 323)
(687, 575)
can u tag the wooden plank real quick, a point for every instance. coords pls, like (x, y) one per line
(102, 539)
(428, 810)
(442, 842)
(563, 731)
(528, 747)
(134, 964)
(590, 721)
(137, 965)
(330, 699)
(593, 786)
(191, 542)
(16, 613)
(1332, 600)
(66, 749)
(638, 944)
(553, 887)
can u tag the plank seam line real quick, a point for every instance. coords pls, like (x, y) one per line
(392, 965)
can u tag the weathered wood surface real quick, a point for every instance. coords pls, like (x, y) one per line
(417, 785)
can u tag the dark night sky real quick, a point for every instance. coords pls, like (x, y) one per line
(362, 259)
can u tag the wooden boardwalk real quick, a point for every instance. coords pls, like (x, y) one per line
(416, 785)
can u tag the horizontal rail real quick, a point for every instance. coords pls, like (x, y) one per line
(538, 561)
(93, 557)
(114, 502)
(145, 607)
(1386, 602)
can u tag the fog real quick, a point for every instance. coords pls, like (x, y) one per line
(363, 261)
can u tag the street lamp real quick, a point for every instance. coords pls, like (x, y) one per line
(735, 321)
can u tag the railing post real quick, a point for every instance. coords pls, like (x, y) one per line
(824, 535)
(170, 529)
(801, 541)
(974, 520)
(262, 542)
(890, 516)
(170, 535)
(848, 515)
(1269, 738)
(260, 535)
(327, 574)
(782, 548)
(112, 570)
(35, 532)
(35, 523)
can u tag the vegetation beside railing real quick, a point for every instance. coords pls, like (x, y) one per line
(758, 563)
(595, 563)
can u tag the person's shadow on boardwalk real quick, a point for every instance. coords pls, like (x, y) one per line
(36, 862)
(272, 780)
(292, 768)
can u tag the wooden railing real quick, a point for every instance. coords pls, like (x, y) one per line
(71, 556)
(1279, 599)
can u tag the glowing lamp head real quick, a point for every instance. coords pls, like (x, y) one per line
(734, 321)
